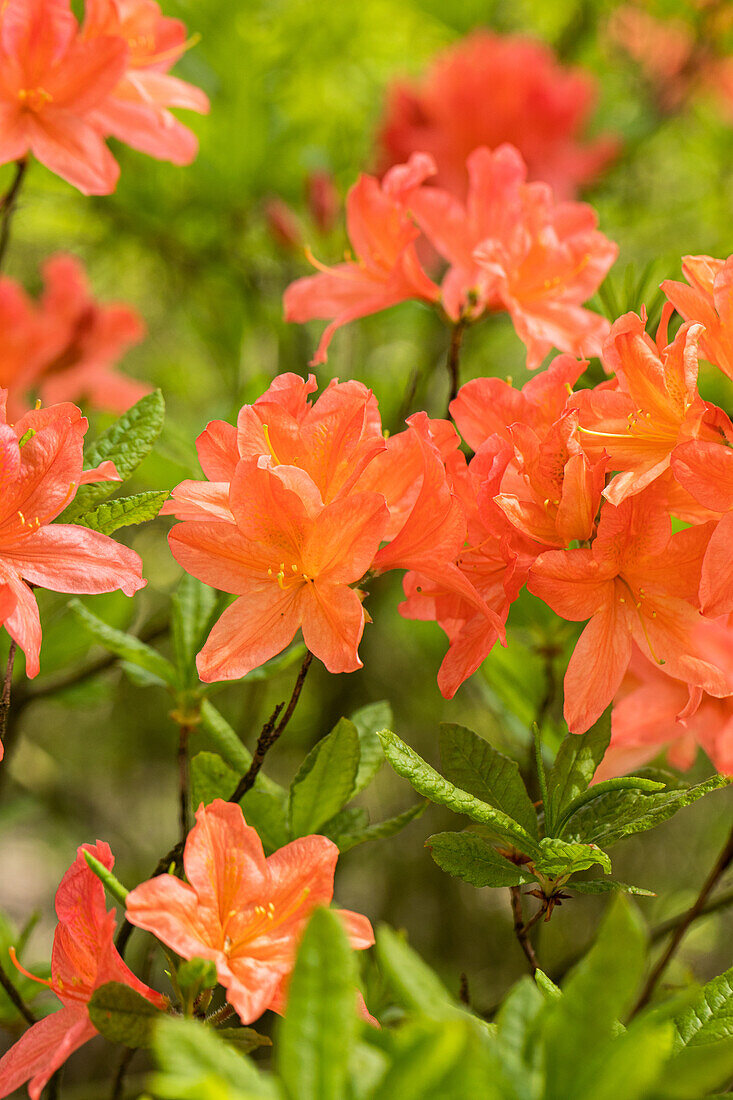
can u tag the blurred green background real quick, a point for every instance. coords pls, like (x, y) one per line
(296, 86)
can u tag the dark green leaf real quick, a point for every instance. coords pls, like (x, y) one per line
(243, 1039)
(110, 515)
(267, 812)
(380, 830)
(317, 1033)
(411, 980)
(193, 604)
(471, 858)
(608, 886)
(125, 646)
(122, 1014)
(236, 755)
(477, 767)
(369, 720)
(325, 779)
(624, 783)
(575, 765)
(429, 783)
(210, 778)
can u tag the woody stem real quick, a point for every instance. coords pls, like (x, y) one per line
(16, 998)
(721, 865)
(270, 733)
(521, 930)
(454, 358)
(5, 698)
(8, 204)
(183, 778)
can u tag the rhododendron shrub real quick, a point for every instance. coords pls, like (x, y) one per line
(565, 518)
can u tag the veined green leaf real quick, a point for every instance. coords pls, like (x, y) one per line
(710, 1018)
(477, 767)
(125, 646)
(429, 783)
(325, 779)
(110, 515)
(562, 858)
(471, 858)
(624, 783)
(575, 765)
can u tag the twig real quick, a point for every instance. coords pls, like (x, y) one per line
(270, 733)
(16, 998)
(119, 1082)
(464, 995)
(8, 204)
(719, 868)
(520, 929)
(184, 794)
(453, 362)
(5, 699)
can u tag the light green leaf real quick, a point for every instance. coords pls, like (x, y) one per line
(471, 858)
(429, 783)
(695, 1070)
(325, 779)
(477, 767)
(319, 1029)
(710, 1018)
(369, 720)
(575, 765)
(110, 515)
(112, 885)
(125, 646)
(197, 1065)
(562, 858)
(380, 830)
(411, 980)
(126, 444)
(546, 984)
(211, 778)
(122, 1014)
(608, 886)
(428, 1065)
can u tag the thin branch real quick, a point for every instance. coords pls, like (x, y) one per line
(8, 205)
(5, 699)
(184, 792)
(118, 1084)
(721, 865)
(27, 1014)
(453, 362)
(521, 930)
(270, 733)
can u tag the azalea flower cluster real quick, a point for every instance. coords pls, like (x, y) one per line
(509, 246)
(66, 88)
(244, 912)
(64, 347)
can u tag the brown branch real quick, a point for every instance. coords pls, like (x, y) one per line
(453, 362)
(184, 792)
(124, 1064)
(8, 205)
(521, 929)
(5, 698)
(16, 998)
(721, 865)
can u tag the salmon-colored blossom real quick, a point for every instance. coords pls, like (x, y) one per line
(84, 957)
(488, 89)
(652, 406)
(386, 269)
(243, 911)
(64, 347)
(639, 583)
(51, 82)
(41, 467)
(705, 470)
(137, 109)
(708, 300)
(512, 247)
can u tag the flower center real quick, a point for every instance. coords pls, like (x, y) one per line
(34, 99)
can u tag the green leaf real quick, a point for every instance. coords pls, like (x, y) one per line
(608, 886)
(325, 779)
(125, 646)
(575, 765)
(319, 1029)
(427, 1066)
(622, 813)
(122, 1014)
(546, 984)
(477, 767)
(197, 1064)
(695, 1070)
(231, 749)
(518, 1013)
(710, 1018)
(625, 783)
(369, 720)
(112, 885)
(412, 982)
(193, 605)
(267, 812)
(471, 858)
(195, 975)
(380, 830)
(110, 515)
(211, 778)
(429, 783)
(562, 858)
(126, 444)
(243, 1039)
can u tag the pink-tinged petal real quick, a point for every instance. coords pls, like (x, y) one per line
(23, 624)
(301, 877)
(358, 929)
(147, 127)
(250, 632)
(342, 543)
(51, 465)
(219, 554)
(670, 638)
(706, 471)
(332, 620)
(597, 666)
(105, 471)
(169, 909)
(716, 582)
(74, 150)
(571, 582)
(484, 407)
(199, 500)
(42, 1049)
(13, 133)
(217, 450)
(67, 558)
(88, 73)
(224, 860)
(251, 986)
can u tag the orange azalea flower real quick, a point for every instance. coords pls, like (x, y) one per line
(41, 467)
(488, 89)
(511, 247)
(637, 583)
(51, 83)
(136, 111)
(292, 561)
(64, 347)
(652, 406)
(705, 470)
(386, 269)
(84, 957)
(244, 912)
(708, 300)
